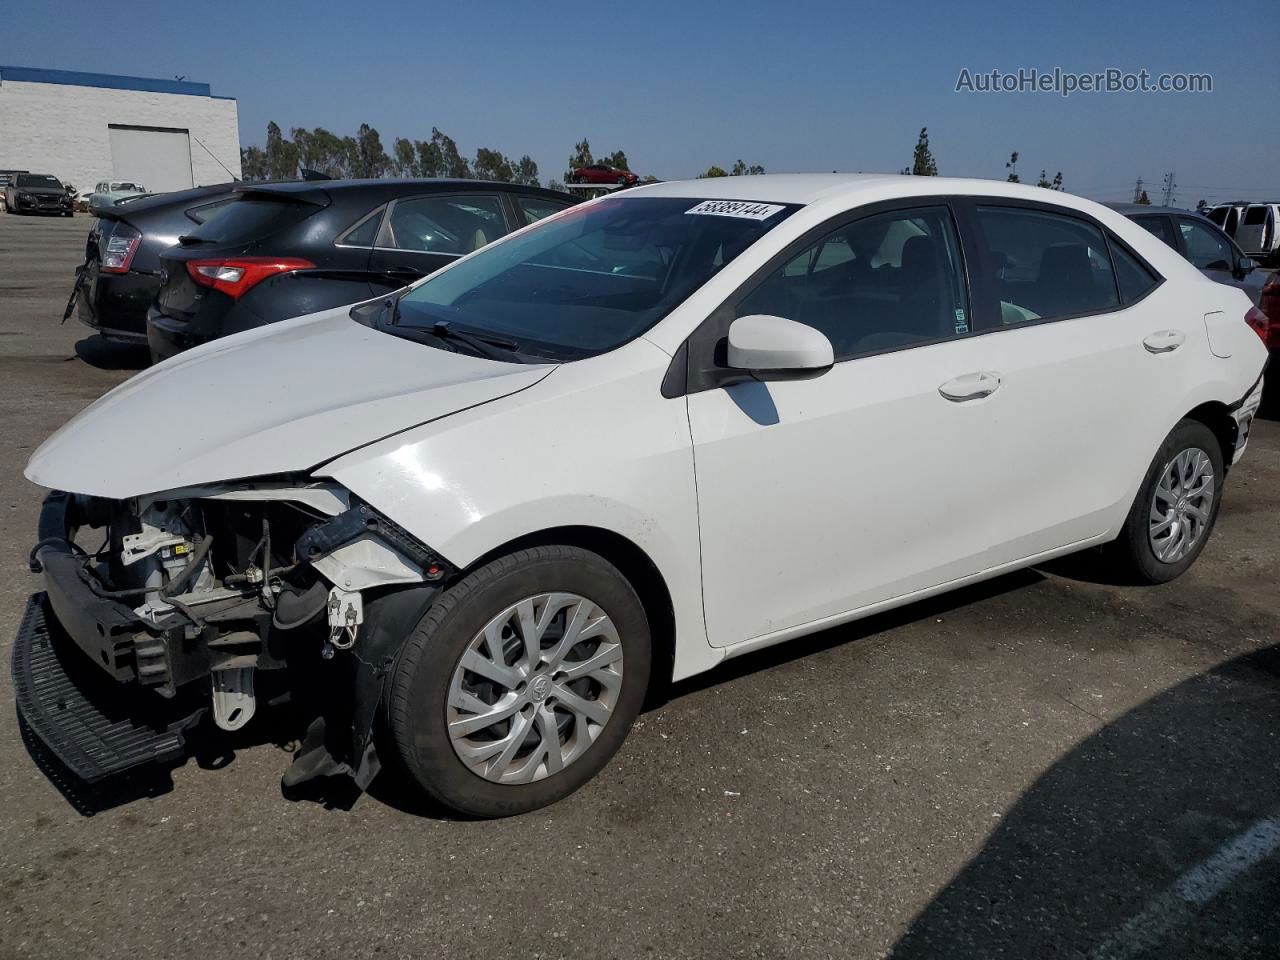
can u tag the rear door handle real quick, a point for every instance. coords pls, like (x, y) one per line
(1164, 341)
(971, 386)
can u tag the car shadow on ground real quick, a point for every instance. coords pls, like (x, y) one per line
(105, 354)
(1159, 835)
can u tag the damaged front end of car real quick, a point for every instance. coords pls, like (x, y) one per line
(187, 602)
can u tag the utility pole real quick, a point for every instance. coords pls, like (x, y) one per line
(1169, 187)
(1137, 190)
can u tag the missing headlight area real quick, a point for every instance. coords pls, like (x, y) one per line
(197, 595)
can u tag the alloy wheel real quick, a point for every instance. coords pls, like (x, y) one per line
(1181, 505)
(534, 688)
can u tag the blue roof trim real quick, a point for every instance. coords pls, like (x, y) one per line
(107, 80)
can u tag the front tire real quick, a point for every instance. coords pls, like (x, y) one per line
(1176, 507)
(521, 681)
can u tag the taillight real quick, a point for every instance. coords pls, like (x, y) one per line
(122, 244)
(1258, 320)
(235, 277)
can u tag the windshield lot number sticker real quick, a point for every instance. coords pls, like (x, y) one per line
(736, 208)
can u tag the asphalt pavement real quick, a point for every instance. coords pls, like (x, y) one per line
(1041, 766)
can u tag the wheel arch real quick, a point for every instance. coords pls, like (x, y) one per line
(1217, 417)
(635, 565)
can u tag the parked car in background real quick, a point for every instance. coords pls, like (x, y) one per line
(665, 428)
(1227, 216)
(5, 177)
(603, 173)
(1203, 243)
(283, 250)
(1259, 232)
(120, 276)
(37, 193)
(110, 192)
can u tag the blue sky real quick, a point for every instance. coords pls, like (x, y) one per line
(680, 86)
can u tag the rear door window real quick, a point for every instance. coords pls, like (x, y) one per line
(1160, 227)
(1255, 216)
(249, 218)
(1046, 265)
(455, 224)
(207, 211)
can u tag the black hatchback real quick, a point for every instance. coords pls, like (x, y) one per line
(285, 250)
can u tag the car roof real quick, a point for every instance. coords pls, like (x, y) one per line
(852, 189)
(321, 191)
(1128, 209)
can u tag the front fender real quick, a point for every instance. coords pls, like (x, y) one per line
(596, 445)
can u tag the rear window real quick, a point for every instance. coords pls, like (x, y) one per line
(206, 212)
(37, 180)
(249, 218)
(1255, 216)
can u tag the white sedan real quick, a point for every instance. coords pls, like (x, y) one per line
(639, 437)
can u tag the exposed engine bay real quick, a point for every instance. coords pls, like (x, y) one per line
(208, 589)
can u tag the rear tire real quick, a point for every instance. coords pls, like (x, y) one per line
(561, 712)
(1173, 515)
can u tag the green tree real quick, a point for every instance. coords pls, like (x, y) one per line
(616, 159)
(404, 158)
(1057, 182)
(429, 162)
(452, 163)
(1201, 206)
(492, 165)
(581, 156)
(1012, 167)
(282, 155)
(922, 162)
(526, 171)
(740, 169)
(253, 163)
(321, 150)
(1143, 199)
(713, 172)
(1043, 181)
(556, 185)
(370, 160)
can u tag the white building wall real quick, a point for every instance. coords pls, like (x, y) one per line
(62, 129)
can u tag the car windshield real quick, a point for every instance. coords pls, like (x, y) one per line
(38, 180)
(126, 185)
(592, 278)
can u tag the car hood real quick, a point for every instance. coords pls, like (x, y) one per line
(281, 398)
(40, 191)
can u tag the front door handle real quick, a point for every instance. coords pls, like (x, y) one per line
(1164, 341)
(971, 386)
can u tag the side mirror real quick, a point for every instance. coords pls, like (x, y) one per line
(772, 348)
(1244, 266)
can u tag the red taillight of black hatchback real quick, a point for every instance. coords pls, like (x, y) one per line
(121, 245)
(236, 276)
